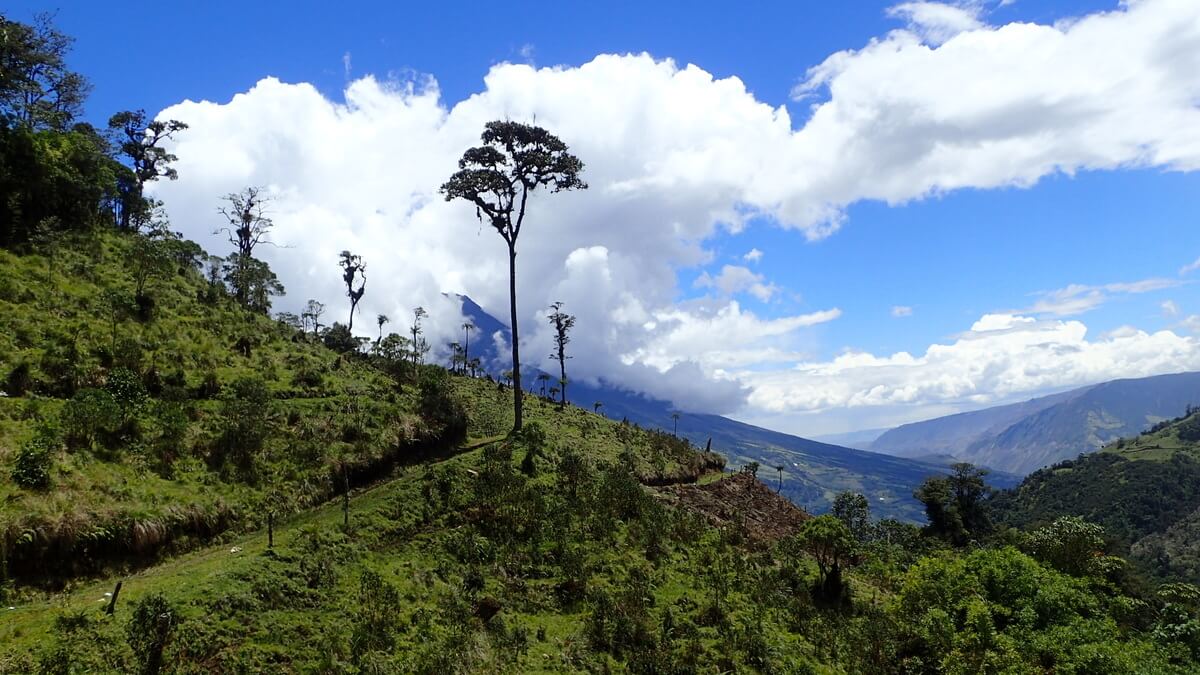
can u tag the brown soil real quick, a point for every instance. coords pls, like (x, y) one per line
(766, 515)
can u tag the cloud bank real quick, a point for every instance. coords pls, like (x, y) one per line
(675, 155)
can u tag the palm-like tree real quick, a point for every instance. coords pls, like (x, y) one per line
(779, 468)
(543, 378)
(467, 328)
(381, 319)
(675, 416)
(597, 406)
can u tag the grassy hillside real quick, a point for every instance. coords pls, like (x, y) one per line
(165, 424)
(1145, 491)
(152, 444)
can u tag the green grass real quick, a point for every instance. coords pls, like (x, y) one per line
(466, 550)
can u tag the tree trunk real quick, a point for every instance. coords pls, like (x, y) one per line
(516, 350)
(562, 367)
(112, 604)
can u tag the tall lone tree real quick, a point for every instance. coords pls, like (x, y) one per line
(248, 227)
(419, 346)
(140, 141)
(498, 176)
(562, 323)
(467, 328)
(381, 319)
(312, 315)
(353, 269)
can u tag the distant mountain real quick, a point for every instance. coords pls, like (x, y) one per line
(1023, 437)
(860, 440)
(1145, 491)
(813, 472)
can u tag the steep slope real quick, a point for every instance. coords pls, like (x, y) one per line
(1145, 491)
(141, 425)
(813, 472)
(1023, 437)
(952, 434)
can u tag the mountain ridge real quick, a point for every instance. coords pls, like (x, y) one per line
(1022, 437)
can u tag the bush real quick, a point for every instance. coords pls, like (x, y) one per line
(439, 407)
(172, 422)
(149, 631)
(32, 469)
(127, 390)
(245, 426)
(91, 415)
(377, 617)
(340, 339)
(19, 380)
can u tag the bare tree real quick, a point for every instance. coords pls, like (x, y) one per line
(497, 177)
(312, 315)
(248, 227)
(353, 269)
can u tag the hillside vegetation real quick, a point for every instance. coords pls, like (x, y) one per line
(471, 551)
(192, 485)
(150, 430)
(1145, 491)
(813, 473)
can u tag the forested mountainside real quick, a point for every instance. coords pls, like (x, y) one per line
(1024, 437)
(1145, 491)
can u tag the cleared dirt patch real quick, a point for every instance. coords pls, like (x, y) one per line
(767, 516)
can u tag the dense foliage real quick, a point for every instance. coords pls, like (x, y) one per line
(1144, 492)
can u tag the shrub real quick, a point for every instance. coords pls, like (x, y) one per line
(377, 617)
(149, 631)
(34, 461)
(245, 425)
(19, 380)
(340, 339)
(127, 390)
(90, 415)
(439, 407)
(172, 422)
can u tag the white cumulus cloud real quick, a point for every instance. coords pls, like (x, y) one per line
(937, 22)
(675, 155)
(735, 279)
(1001, 356)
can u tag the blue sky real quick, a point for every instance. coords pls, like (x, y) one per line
(950, 254)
